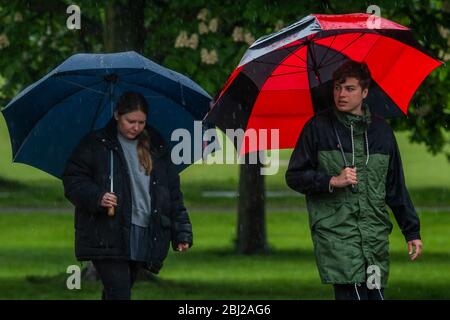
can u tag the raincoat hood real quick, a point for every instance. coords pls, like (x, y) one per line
(358, 124)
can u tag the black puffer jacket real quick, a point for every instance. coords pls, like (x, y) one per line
(86, 180)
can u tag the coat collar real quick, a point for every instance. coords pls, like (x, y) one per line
(360, 123)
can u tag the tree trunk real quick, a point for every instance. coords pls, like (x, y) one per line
(124, 26)
(251, 225)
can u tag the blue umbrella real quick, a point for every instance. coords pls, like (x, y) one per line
(47, 119)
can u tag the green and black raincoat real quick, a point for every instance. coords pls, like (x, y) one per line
(350, 226)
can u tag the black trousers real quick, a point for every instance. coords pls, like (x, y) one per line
(357, 291)
(118, 277)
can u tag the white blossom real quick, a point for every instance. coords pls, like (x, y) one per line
(203, 14)
(209, 57)
(249, 38)
(193, 41)
(238, 34)
(202, 28)
(214, 25)
(182, 40)
(4, 41)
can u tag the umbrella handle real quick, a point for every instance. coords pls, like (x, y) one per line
(111, 211)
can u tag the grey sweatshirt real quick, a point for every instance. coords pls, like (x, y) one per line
(140, 183)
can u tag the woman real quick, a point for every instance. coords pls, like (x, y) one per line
(148, 210)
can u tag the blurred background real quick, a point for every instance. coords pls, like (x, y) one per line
(251, 235)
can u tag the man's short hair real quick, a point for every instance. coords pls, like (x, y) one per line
(352, 69)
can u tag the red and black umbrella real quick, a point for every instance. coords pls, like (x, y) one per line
(286, 77)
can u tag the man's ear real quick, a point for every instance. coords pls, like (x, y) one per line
(116, 115)
(365, 92)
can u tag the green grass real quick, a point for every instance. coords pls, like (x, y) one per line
(37, 248)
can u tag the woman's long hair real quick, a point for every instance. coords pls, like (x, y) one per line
(130, 102)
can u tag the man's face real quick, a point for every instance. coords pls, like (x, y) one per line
(131, 124)
(348, 96)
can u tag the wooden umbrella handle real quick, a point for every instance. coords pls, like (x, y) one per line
(111, 211)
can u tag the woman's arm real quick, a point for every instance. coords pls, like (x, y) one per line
(181, 225)
(79, 186)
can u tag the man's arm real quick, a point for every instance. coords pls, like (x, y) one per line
(302, 174)
(397, 198)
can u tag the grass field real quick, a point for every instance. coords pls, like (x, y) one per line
(37, 248)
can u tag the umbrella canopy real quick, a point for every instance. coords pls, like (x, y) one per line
(47, 119)
(286, 77)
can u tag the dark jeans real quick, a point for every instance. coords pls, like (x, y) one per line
(357, 292)
(118, 277)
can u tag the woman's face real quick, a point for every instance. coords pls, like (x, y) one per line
(131, 124)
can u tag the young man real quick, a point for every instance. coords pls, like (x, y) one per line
(348, 165)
